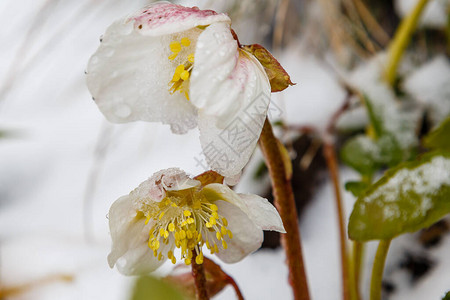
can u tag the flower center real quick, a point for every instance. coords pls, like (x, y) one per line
(180, 80)
(187, 220)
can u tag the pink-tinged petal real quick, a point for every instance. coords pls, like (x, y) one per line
(162, 18)
(128, 77)
(247, 237)
(263, 213)
(232, 92)
(154, 189)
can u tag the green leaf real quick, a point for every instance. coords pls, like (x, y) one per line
(151, 288)
(362, 154)
(375, 120)
(356, 187)
(439, 138)
(447, 296)
(407, 198)
(278, 77)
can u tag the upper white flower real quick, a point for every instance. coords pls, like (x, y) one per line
(171, 210)
(182, 66)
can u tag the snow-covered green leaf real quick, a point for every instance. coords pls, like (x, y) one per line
(356, 187)
(439, 138)
(407, 198)
(362, 154)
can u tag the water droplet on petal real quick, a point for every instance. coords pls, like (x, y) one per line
(122, 111)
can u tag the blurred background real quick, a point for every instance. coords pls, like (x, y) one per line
(62, 164)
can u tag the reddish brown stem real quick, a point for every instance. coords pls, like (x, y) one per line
(198, 273)
(236, 288)
(330, 157)
(284, 202)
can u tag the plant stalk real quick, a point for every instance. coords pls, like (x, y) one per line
(285, 203)
(198, 273)
(378, 268)
(401, 40)
(330, 157)
(357, 257)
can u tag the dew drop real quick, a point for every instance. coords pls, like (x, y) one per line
(122, 111)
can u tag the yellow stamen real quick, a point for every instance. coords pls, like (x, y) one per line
(175, 47)
(185, 42)
(223, 230)
(218, 235)
(214, 207)
(175, 78)
(187, 213)
(191, 58)
(184, 75)
(225, 222)
(199, 259)
(171, 227)
(173, 56)
(224, 244)
(187, 261)
(161, 215)
(230, 234)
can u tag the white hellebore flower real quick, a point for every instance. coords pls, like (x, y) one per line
(182, 66)
(171, 210)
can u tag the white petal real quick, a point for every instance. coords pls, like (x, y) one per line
(247, 237)
(232, 92)
(138, 261)
(258, 209)
(166, 18)
(129, 236)
(262, 213)
(128, 77)
(217, 191)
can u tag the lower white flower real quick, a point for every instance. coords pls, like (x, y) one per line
(171, 210)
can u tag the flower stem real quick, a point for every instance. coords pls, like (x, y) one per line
(285, 203)
(377, 269)
(330, 157)
(198, 273)
(357, 256)
(401, 39)
(236, 288)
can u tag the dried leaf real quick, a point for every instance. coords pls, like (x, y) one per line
(278, 77)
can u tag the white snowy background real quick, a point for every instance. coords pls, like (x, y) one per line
(62, 165)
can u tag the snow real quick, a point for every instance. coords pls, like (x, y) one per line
(423, 180)
(434, 15)
(433, 94)
(316, 96)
